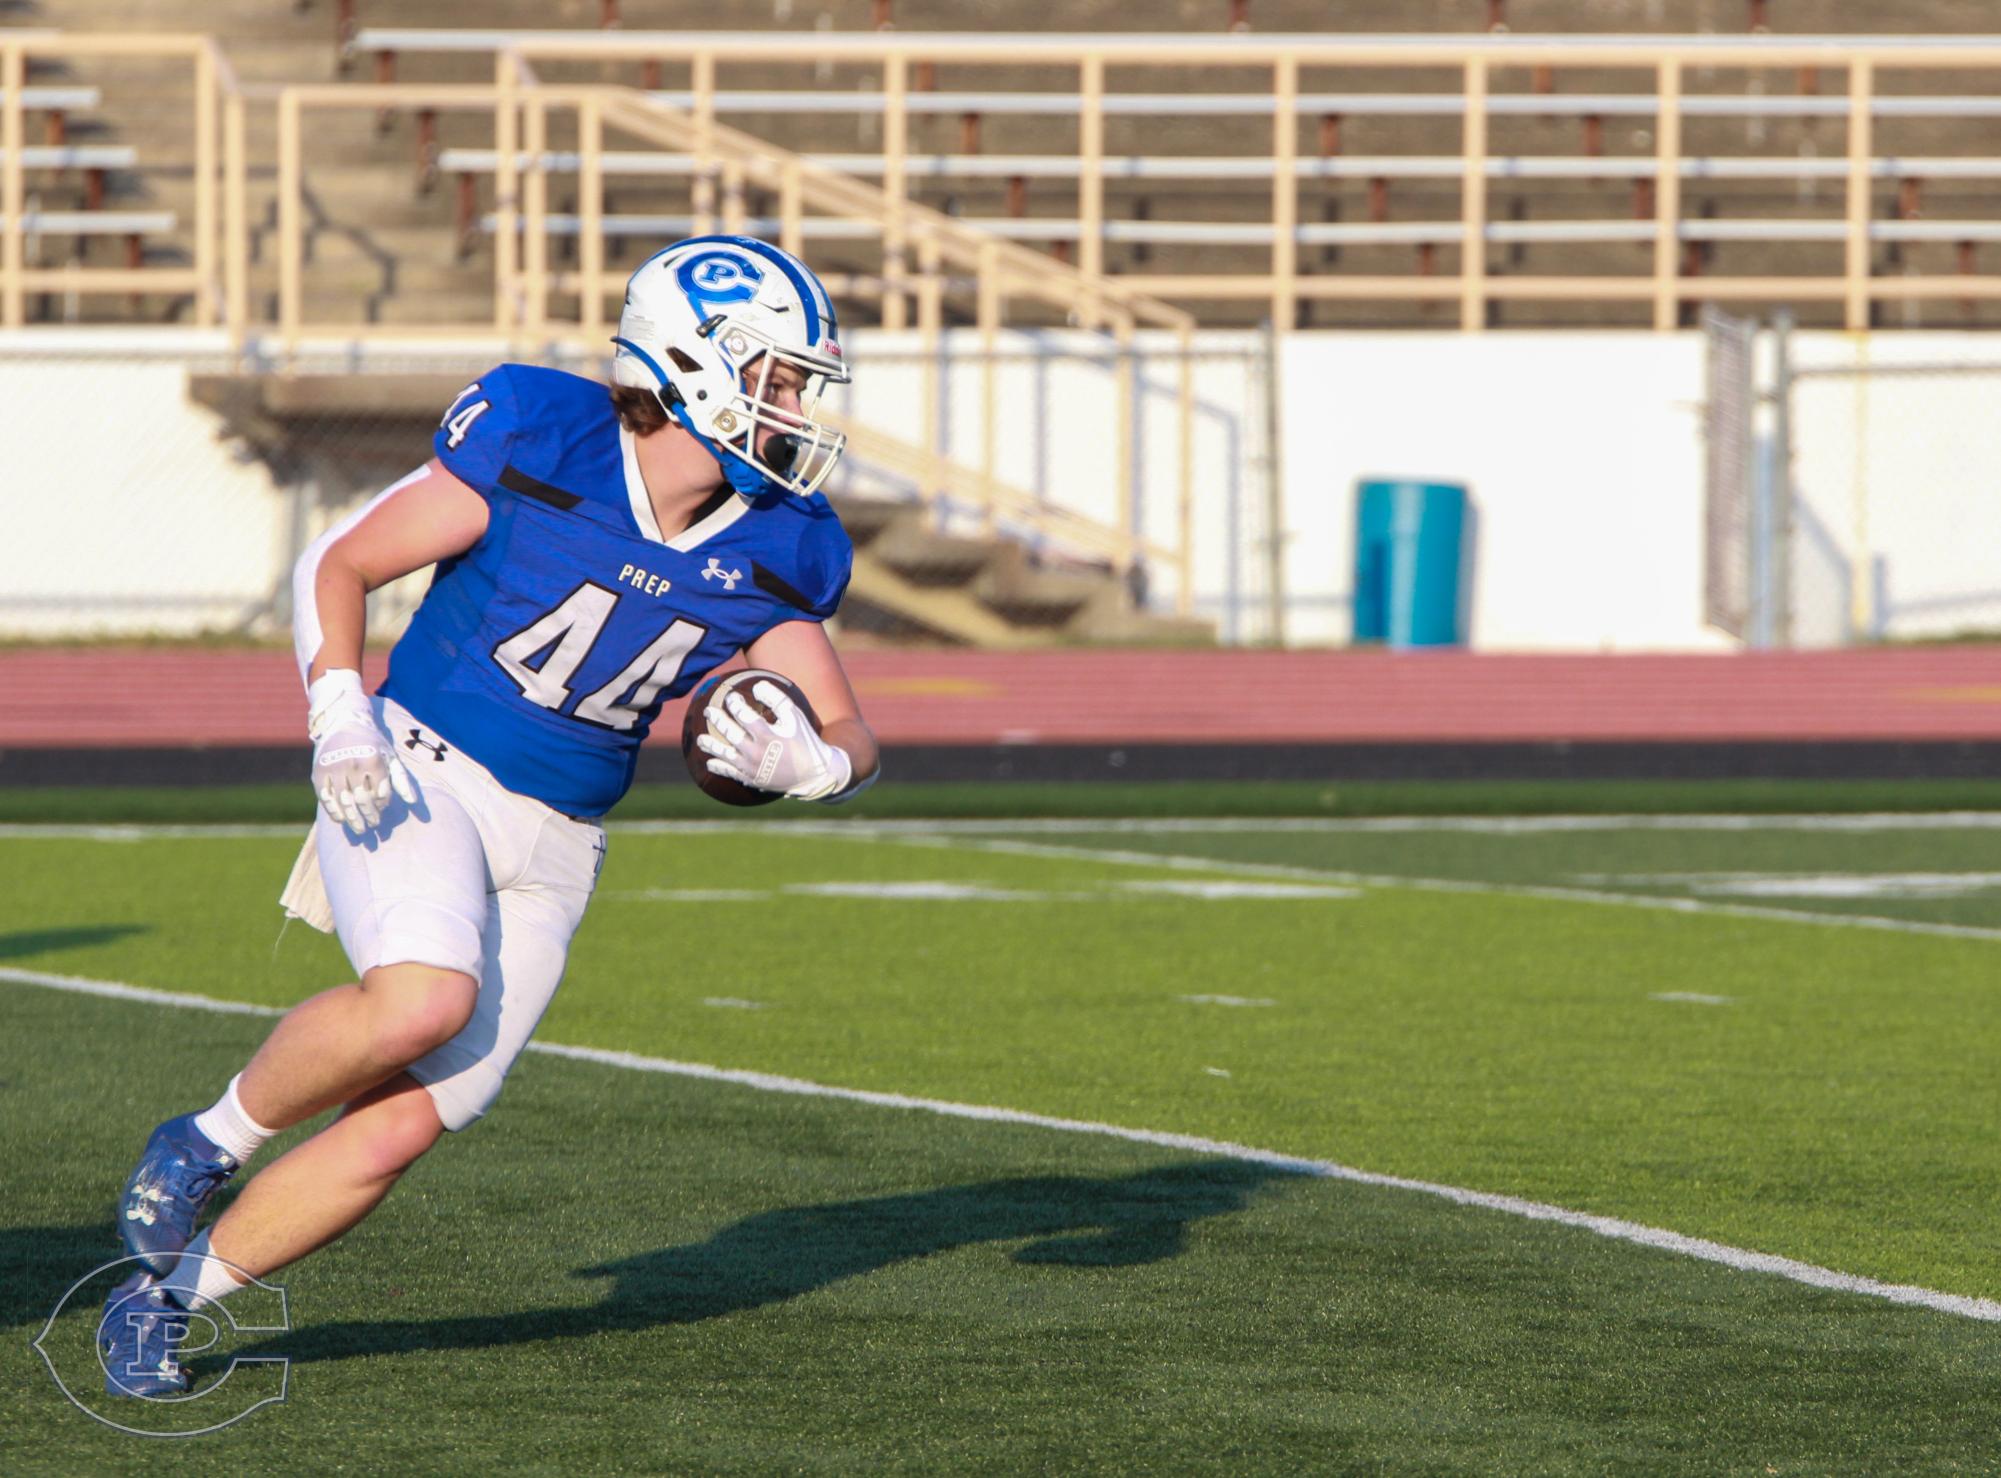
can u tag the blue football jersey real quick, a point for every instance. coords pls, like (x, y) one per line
(546, 649)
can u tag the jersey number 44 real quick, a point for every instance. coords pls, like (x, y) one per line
(543, 658)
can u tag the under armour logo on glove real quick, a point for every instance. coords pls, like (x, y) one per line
(418, 741)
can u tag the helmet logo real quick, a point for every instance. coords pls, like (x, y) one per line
(719, 277)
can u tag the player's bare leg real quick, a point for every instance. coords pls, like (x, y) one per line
(320, 1189)
(346, 1040)
(329, 1050)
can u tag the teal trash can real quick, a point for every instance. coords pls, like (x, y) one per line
(1408, 563)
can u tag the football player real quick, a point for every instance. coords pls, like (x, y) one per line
(598, 551)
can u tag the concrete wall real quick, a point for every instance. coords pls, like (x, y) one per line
(1582, 454)
(126, 509)
(1897, 472)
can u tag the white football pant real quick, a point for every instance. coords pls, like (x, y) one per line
(474, 878)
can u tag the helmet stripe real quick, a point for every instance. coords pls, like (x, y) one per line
(799, 281)
(644, 358)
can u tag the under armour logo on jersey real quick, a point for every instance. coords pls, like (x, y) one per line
(418, 741)
(715, 571)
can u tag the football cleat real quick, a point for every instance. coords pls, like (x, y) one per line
(180, 1169)
(136, 1339)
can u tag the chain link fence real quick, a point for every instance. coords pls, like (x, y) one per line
(1895, 456)
(1852, 485)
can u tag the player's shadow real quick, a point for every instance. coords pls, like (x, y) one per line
(24, 942)
(39, 1264)
(1072, 1221)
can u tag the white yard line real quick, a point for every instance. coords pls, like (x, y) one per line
(1794, 883)
(148, 832)
(1507, 825)
(114, 990)
(1167, 825)
(1182, 862)
(1602, 1226)
(1492, 825)
(949, 890)
(994, 836)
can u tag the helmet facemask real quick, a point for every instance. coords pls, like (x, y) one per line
(793, 448)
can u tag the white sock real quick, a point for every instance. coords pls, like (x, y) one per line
(199, 1278)
(230, 1127)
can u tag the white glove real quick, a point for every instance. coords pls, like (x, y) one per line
(354, 764)
(783, 754)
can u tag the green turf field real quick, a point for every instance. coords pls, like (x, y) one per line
(1774, 1034)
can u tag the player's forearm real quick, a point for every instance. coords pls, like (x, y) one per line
(330, 603)
(342, 600)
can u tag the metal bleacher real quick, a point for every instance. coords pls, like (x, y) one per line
(1378, 225)
(69, 203)
(1164, 168)
(67, 185)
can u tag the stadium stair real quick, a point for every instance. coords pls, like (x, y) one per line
(993, 591)
(911, 582)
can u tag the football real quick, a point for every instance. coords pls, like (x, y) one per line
(695, 723)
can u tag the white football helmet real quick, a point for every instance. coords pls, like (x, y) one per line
(706, 323)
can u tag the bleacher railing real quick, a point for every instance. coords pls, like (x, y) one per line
(1403, 71)
(216, 276)
(1876, 83)
(952, 259)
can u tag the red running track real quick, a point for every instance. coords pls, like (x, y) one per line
(95, 698)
